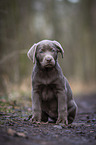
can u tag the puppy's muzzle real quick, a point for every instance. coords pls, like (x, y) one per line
(49, 61)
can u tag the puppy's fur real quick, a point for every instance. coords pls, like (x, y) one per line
(51, 93)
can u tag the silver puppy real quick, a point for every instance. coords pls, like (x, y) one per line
(51, 93)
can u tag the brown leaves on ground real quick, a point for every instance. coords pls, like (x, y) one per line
(14, 133)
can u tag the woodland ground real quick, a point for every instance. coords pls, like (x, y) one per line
(16, 129)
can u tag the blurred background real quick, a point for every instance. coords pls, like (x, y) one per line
(25, 22)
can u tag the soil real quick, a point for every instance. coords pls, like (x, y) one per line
(15, 130)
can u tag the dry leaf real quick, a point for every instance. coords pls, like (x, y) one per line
(14, 133)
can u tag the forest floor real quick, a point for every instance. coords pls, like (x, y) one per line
(16, 129)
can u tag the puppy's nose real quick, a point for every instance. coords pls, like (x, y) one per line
(48, 59)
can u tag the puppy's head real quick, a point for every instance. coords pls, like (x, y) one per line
(45, 53)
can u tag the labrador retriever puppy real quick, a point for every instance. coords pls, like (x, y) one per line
(51, 92)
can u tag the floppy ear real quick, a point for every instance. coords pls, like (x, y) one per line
(60, 49)
(31, 53)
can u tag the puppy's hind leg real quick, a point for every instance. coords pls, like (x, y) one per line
(72, 109)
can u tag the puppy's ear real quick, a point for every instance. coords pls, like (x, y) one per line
(60, 49)
(31, 53)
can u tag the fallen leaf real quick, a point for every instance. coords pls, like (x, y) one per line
(91, 131)
(58, 126)
(21, 134)
(14, 133)
(11, 132)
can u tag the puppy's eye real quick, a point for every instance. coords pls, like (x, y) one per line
(53, 50)
(41, 51)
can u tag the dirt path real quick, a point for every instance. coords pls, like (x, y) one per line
(15, 131)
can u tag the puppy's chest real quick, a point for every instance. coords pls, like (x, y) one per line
(47, 92)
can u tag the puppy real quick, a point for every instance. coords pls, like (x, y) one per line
(51, 92)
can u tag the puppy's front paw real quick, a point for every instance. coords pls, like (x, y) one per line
(62, 121)
(35, 119)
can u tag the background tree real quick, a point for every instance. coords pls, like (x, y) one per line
(22, 23)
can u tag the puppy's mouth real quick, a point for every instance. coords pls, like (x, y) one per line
(49, 65)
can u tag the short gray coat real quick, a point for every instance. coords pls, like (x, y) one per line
(51, 93)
